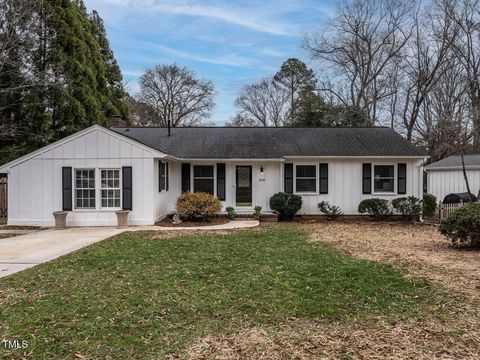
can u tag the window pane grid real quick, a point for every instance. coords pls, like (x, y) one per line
(85, 189)
(306, 178)
(383, 178)
(203, 179)
(110, 188)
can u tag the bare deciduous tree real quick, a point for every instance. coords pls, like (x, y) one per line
(263, 104)
(176, 95)
(421, 69)
(358, 49)
(465, 42)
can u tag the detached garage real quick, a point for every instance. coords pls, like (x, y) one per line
(446, 176)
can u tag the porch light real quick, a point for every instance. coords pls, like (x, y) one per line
(261, 170)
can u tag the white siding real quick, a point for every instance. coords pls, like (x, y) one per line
(165, 201)
(345, 183)
(443, 182)
(35, 185)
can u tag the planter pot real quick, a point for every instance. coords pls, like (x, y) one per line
(122, 218)
(60, 219)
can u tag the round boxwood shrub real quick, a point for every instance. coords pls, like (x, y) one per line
(377, 208)
(410, 207)
(286, 205)
(197, 206)
(462, 226)
(429, 204)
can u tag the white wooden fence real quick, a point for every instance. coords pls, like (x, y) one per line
(446, 209)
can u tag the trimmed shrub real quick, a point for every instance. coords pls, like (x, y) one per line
(231, 212)
(332, 212)
(197, 206)
(286, 205)
(257, 212)
(410, 207)
(377, 208)
(462, 226)
(429, 204)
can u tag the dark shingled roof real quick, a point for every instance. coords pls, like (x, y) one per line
(274, 143)
(455, 162)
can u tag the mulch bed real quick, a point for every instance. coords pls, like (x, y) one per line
(168, 222)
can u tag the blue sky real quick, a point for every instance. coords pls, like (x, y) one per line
(231, 43)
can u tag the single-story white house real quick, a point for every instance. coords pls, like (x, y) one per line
(446, 176)
(98, 171)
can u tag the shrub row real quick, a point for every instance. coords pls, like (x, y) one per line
(202, 206)
(409, 207)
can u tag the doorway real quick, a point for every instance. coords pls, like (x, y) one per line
(243, 195)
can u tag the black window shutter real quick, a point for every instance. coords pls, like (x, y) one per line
(167, 172)
(221, 182)
(67, 188)
(185, 177)
(161, 176)
(127, 188)
(367, 179)
(402, 178)
(323, 178)
(288, 178)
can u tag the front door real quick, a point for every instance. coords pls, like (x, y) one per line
(244, 185)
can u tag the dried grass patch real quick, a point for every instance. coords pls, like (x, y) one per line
(420, 249)
(316, 340)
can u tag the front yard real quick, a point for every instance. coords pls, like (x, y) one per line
(278, 291)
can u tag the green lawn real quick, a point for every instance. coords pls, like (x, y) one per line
(4, 236)
(137, 297)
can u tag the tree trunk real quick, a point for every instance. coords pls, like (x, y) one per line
(466, 178)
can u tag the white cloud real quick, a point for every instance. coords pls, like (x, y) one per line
(248, 20)
(228, 60)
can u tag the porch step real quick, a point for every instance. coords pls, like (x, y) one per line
(268, 217)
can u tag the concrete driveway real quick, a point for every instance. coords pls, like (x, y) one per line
(24, 251)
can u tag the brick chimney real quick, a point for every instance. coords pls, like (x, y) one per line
(116, 121)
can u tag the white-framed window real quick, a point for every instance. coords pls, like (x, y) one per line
(383, 178)
(84, 189)
(163, 173)
(306, 178)
(204, 179)
(110, 190)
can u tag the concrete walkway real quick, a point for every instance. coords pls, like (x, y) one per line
(236, 224)
(25, 251)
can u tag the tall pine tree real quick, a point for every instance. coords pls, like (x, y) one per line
(76, 80)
